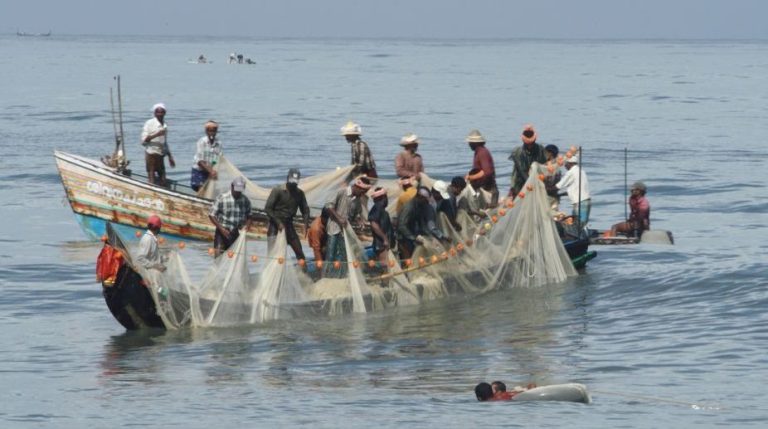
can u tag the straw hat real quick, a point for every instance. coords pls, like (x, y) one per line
(529, 134)
(351, 129)
(475, 137)
(409, 139)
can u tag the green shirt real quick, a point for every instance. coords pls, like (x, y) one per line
(282, 204)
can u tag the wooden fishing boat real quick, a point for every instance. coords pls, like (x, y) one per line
(99, 194)
(655, 236)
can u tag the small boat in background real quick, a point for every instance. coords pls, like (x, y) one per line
(25, 34)
(654, 236)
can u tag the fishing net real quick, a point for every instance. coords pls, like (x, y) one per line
(515, 245)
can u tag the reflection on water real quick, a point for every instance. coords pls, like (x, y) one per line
(445, 345)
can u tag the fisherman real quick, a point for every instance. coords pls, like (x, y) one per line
(497, 391)
(408, 163)
(523, 157)
(361, 154)
(409, 191)
(445, 203)
(154, 140)
(230, 212)
(639, 214)
(344, 208)
(416, 222)
(207, 156)
(483, 163)
(232, 58)
(316, 237)
(201, 59)
(551, 180)
(149, 254)
(471, 200)
(281, 206)
(577, 188)
(381, 227)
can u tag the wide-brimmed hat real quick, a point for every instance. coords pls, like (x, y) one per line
(529, 134)
(238, 185)
(474, 136)
(442, 188)
(409, 139)
(639, 186)
(351, 129)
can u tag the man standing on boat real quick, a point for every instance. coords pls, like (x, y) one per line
(522, 158)
(230, 212)
(154, 140)
(408, 163)
(483, 163)
(206, 156)
(361, 154)
(281, 206)
(345, 207)
(149, 254)
(577, 187)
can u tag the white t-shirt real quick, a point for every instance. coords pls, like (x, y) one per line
(149, 255)
(156, 146)
(570, 182)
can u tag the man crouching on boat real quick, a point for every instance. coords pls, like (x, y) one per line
(230, 212)
(149, 254)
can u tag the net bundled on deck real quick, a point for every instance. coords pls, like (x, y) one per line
(515, 245)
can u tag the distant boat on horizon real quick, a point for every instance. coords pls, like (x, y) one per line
(25, 34)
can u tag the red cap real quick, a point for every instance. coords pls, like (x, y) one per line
(154, 221)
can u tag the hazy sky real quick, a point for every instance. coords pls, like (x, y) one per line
(570, 19)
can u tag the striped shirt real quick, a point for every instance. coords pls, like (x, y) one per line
(231, 212)
(207, 152)
(347, 206)
(361, 157)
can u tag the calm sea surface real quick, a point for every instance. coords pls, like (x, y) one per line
(664, 336)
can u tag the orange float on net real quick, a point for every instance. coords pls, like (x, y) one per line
(510, 204)
(230, 254)
(494, 218)
(371, 263)
(161, 240)
(337, 265)
(104, 238)
(281, 260)
(542, 177)
(302, 263)
(434, 259)
(355, 264)
(254, 258)
(444, 255)
(408, 262)
(502, 212)
(319, 264)
(138, 233)
(182, 245)
(422, 261)
(529, 187)
(391, 264)
(521, 194)
(211, 250)
(460, 246)
(452, 251)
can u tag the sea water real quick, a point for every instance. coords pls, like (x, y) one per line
(663, 336)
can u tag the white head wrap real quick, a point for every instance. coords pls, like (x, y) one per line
(158, 106)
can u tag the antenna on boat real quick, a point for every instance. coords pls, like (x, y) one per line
(625, 182)
(581, 171)
(117, 160)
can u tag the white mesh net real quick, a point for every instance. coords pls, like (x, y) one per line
(516, 245)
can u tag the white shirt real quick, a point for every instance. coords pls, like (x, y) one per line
(156, 146)
(149, 254)
(571, 184)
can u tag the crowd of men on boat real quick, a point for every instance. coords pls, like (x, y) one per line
(416, 210)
